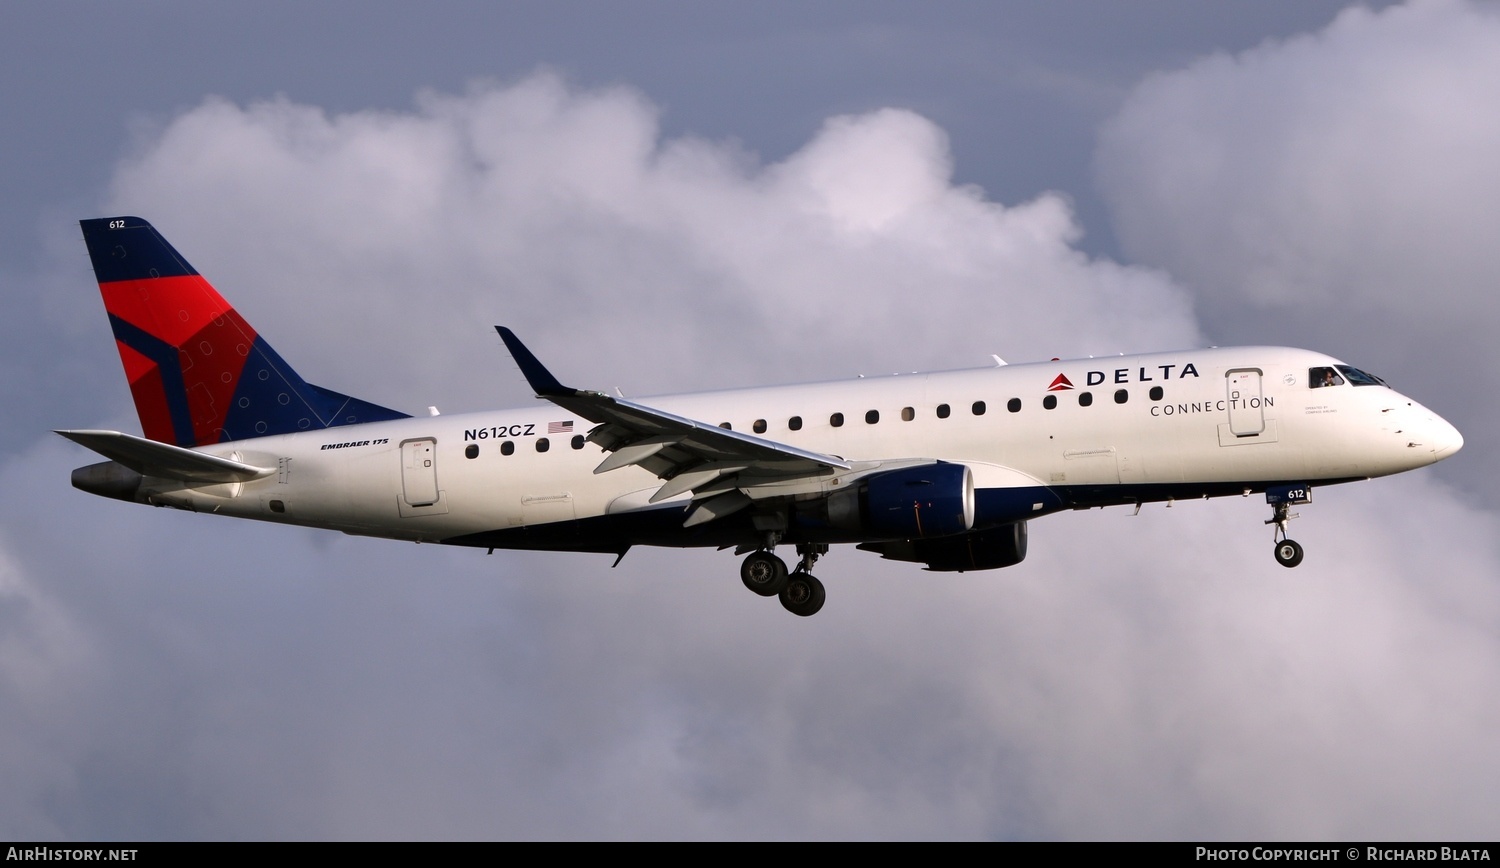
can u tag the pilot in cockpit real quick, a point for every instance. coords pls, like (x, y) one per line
(1320, 377)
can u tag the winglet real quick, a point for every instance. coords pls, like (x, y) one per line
(541, 380)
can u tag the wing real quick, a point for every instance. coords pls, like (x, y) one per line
(723, 469)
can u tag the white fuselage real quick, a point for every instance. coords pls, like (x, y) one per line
(1224, 420)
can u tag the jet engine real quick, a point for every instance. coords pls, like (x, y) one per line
(928, 500)
(988, 549)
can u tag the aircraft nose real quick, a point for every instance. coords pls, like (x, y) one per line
(1445, 438)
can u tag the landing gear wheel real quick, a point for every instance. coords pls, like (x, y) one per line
(1288, 553)
(764, 573)
(803, 595)
(1281, 498)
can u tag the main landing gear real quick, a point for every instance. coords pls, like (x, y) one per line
(800, 592)
(1282, 498)
(764, 573)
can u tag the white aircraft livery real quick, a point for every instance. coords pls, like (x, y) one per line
(940, 469)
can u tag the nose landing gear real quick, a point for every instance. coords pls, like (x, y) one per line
(1288, 553)
(1282, 498)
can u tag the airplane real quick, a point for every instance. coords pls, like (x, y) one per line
(940, 469)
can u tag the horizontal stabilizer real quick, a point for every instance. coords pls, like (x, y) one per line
(150, 458)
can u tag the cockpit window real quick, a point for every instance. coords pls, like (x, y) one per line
(1360, 378)
(1317, 378)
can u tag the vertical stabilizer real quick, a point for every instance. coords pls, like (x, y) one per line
(198, 372)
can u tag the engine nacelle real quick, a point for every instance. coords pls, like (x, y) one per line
(929, 500)
(988, 549)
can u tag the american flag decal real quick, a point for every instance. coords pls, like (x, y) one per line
(560, 427)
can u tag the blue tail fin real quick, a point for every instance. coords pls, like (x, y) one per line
(199, 373)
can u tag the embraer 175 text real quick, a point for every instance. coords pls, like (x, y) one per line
(940, 469)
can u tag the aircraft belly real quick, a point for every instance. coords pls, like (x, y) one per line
(662, 525)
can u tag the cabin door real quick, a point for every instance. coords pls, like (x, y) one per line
(1246, 415)
(419, 472)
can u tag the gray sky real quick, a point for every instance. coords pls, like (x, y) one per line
(664, 197)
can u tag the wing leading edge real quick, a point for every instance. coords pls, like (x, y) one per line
(721, 468)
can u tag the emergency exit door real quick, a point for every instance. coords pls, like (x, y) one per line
(419, 472)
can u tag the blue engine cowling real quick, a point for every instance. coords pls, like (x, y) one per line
(988, 549)
(929, 500)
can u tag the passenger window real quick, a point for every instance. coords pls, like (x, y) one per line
(542, 445)
(908, 414)
(471, 451)
(1317, 378)
(872, 416)
(1156, 393)
(508, 448)
(759, 426)
(836, 420)
(578, 441)
(978, 408)
(1013, 405)
(726, 426)
(1085, 399)
(1049, 402)
(943, 410)
(1121, 396)
(794, 423)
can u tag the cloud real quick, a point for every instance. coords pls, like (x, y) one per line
(46, 661)
(565, 215)
(1335, 190)
(1138, 676)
